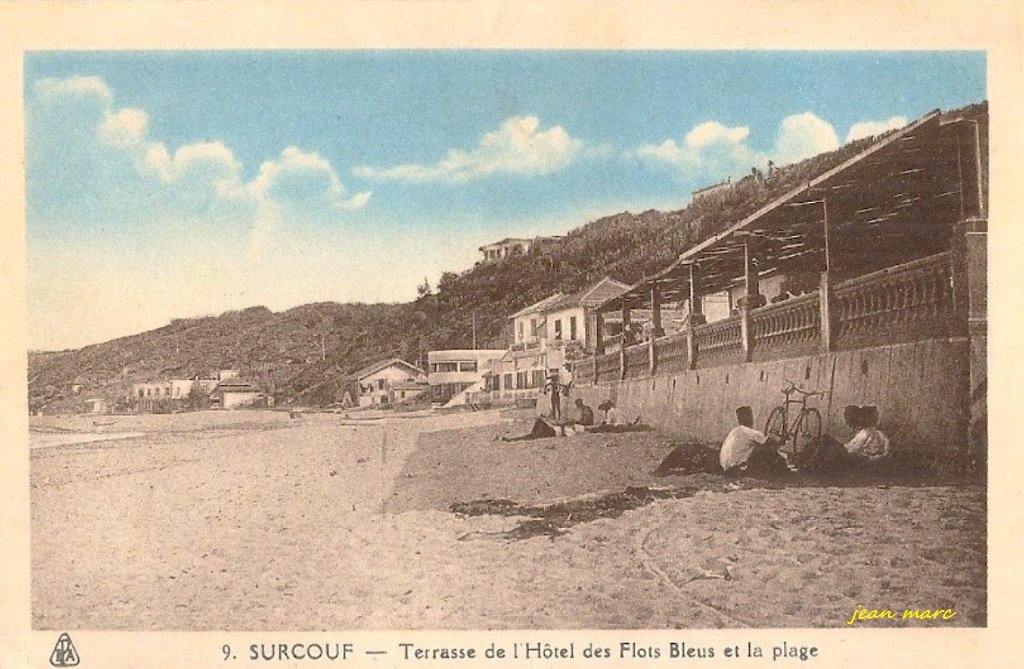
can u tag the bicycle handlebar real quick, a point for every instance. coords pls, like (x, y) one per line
(793, 387)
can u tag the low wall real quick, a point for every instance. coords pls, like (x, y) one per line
(921, 390)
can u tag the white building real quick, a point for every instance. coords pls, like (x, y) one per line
(388, 381)
(546, 335)
(453, 372)
(513, 246)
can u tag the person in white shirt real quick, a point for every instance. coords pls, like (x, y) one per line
(869, 444)
(744, 444)
(867, 448)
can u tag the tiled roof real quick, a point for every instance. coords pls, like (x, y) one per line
(384, 364)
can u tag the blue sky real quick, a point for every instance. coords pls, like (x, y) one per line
(174, 184)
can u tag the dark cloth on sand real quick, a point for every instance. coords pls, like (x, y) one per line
(541, 430)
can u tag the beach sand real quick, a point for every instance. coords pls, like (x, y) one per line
(254, 521)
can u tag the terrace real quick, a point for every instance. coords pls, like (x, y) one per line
(874, 251)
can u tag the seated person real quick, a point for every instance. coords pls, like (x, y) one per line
(584, 414)
(868, 446)
(746, 449)
(611, 414)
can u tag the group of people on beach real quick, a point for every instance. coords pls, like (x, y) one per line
(746, 450)
(582, 419)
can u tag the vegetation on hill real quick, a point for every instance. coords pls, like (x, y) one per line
(303, 353)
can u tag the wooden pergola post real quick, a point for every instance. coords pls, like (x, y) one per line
(825, 301)
(693, 319)
(598, 340)
(656, 329)
(751, 291)
(622, 337)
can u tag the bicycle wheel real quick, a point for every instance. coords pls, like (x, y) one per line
(775, 426)
(806, 433)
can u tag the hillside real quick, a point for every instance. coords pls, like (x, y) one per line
(301, 353)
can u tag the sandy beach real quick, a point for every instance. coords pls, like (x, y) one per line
(256, 521)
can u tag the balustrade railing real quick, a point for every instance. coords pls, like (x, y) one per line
(671, 353)
(903, 303)
(792, 327)
(719, 342)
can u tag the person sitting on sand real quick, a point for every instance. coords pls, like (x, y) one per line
(868, 447)
(869, 444)
(746, 449)
(611, 414)
(584, 415)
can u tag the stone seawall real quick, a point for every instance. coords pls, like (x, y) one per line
(922, 390)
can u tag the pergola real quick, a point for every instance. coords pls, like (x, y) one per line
(893, 202)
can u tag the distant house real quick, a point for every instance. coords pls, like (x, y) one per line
(235, 393)
(512, 246)
(407, 390)
(547, 334)
(710, 190)
(383, 382)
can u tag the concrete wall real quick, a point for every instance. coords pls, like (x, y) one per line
(921, 390)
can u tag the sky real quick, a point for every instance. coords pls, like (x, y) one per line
(166, 185)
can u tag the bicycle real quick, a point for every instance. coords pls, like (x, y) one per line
(805, 430)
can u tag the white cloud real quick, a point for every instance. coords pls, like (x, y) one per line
(863, 129)
(802, 136)
(125, 128)
(712, 150)
(518, 146)
(112, 147)
(55, 90)
(709, 147)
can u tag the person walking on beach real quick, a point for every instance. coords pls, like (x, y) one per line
(556, 390)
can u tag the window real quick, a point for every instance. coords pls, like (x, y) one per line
(520, 379)
(558, 329)
(444, 366)
(533, 327)
(506, 382)
(142, 392)
(572, 328)
(538, 378)
(467, 366)
(519, 329)
(380, 384)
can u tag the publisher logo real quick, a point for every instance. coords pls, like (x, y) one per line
(64, 653)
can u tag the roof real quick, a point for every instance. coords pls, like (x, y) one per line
(538, 307)
(885, 200)
(507, 240)
(383, 364)
(605, 289)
